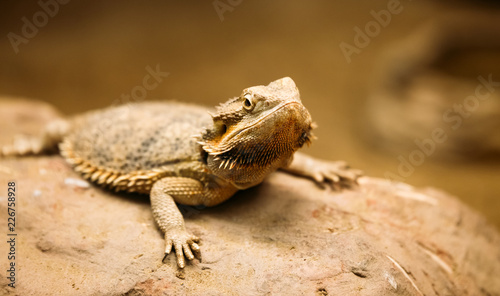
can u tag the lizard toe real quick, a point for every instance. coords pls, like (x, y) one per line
(184, 244)
(168, 246)
(181, 261)
(187, 251)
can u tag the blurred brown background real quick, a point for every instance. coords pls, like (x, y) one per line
(89, 53)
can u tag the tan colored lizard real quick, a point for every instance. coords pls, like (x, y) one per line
(179, 153)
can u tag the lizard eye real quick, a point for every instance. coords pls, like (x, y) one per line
(248, 102)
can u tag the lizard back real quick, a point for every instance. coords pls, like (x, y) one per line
(127, 147)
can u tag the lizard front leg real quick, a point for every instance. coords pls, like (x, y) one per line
(336, 173)
(164, 194)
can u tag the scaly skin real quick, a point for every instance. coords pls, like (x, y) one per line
(180, 153)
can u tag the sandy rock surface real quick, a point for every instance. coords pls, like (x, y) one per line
(284, 237)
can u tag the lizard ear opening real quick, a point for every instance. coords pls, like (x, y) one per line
(218, 131)
(221, 128)
(212, 137)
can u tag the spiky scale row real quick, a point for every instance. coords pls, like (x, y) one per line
(136, 181)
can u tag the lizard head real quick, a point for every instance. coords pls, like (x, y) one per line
(256, 133)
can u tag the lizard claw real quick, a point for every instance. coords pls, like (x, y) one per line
(336, 174)
(185, 245)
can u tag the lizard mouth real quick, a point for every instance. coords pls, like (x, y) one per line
(258, 121)
(260, 146)
(226, 138)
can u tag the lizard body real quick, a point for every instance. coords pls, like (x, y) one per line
(180, 153)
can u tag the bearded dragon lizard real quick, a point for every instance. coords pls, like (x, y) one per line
(180, 153)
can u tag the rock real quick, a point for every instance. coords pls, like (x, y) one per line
(440, 85)
(284, 237)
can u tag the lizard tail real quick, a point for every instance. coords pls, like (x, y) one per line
(22, 145)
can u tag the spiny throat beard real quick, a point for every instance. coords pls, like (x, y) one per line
(245, 152)
(248, 155)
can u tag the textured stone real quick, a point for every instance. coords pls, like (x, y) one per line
(284, 237)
